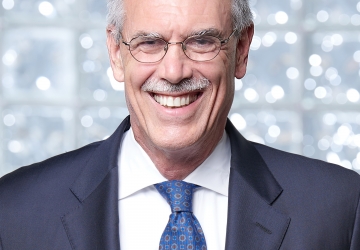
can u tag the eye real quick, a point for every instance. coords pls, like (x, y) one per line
(146, 44)
(202, 43)
(149, 42)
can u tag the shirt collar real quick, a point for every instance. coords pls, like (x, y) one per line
(214, 172)
(137, 171)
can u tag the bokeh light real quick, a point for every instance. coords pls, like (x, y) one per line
(300, 92)
(8, 4)
(46, 9)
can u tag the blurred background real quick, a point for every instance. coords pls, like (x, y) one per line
(301, 92)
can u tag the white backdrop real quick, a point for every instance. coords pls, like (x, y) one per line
(301, 92)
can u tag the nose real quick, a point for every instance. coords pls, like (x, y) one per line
(175, 66)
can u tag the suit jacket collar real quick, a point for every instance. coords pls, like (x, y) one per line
(252, 222)
(247, 162)
(101, 162)
(94, 224)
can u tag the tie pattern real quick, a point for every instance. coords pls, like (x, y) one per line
(183, 230)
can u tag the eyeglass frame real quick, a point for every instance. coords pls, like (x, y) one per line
(222, 42)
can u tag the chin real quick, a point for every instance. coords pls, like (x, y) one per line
(173, 139)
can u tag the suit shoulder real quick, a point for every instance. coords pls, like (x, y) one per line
(296, 167)
(64, 167)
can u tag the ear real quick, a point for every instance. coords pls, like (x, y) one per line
(114, 55)
(242, 51)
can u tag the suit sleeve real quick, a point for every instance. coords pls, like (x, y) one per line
(355, 240)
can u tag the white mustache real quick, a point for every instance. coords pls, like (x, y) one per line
(186, 85)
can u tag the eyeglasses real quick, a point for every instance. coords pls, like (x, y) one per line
(146, 49)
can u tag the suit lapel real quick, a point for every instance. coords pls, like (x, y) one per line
(252, 222)
(94, 224)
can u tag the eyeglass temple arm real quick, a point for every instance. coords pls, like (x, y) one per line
(227, 39)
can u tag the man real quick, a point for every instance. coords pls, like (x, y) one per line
(178, 60)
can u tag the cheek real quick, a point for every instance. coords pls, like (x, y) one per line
(135, 76)
(221, 75)
(135, 73)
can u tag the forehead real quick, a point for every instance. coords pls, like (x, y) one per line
(176, 17)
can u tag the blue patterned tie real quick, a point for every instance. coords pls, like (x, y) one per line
(183, 230)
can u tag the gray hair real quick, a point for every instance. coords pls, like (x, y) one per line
(240, 10)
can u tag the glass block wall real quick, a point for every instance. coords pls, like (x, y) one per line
(301, 92)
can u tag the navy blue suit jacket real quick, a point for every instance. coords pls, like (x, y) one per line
(277, 200)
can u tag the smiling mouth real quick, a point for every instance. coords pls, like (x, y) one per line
(176, 101)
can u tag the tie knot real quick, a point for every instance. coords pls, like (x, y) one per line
(178, 194)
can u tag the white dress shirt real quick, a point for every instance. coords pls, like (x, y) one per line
(144, 213)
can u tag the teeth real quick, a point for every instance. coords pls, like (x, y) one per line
(183, 101)
(170, 101)
(176, 102)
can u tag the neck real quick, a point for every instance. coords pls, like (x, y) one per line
(178, 164)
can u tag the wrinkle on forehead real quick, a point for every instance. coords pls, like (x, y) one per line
(177, 15)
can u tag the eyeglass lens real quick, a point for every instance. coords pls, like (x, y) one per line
(198, 48)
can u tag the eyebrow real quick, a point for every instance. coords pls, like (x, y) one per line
(202, 32)
(209, 31)
(146, 34)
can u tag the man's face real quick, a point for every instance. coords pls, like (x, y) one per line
(202, 121)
